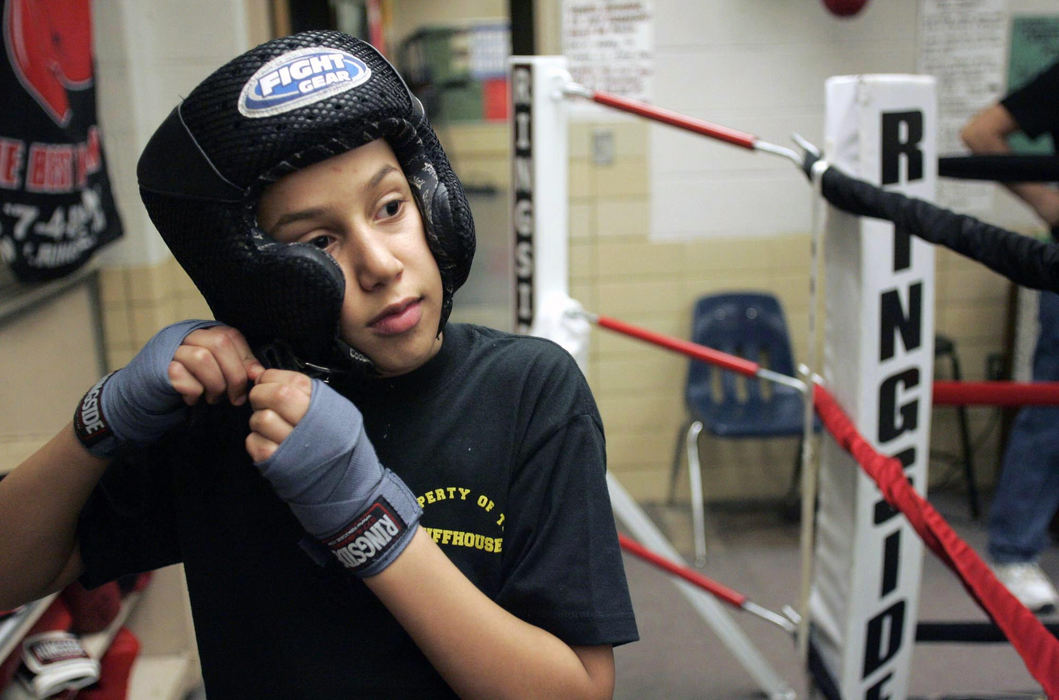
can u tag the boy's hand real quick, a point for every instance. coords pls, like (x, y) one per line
(179, 365)
(280, 399)
(309, 442)
(213, 363)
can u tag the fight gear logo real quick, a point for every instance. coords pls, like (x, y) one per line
(368, 536)
(300, 78)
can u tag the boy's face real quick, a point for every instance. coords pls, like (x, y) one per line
(359, 208)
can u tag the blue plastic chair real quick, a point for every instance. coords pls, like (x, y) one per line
(750, 325)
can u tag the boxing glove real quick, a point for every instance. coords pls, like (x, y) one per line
(53, 661)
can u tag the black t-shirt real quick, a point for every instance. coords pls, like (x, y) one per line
(1035, 105)
(1035, 108)
(498, 437)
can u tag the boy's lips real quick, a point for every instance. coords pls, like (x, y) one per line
(398, 318)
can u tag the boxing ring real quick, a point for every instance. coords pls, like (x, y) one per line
(856, 620)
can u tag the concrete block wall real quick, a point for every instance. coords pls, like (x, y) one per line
(148, 56)
(618, 269)
(139, 300)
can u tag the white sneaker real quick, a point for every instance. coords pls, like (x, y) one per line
(1029, 584)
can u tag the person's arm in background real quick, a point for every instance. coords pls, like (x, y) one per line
(987, 133)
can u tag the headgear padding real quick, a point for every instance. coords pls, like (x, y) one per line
(280, 107)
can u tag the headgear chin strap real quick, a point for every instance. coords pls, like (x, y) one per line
(276, 109)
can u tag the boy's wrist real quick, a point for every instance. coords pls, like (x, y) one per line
(91, 427)
(137, 403)
(327, 472)
(377, 535)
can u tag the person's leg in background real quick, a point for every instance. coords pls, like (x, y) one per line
(1027, 492)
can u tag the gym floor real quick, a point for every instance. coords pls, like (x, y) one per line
(755, 551)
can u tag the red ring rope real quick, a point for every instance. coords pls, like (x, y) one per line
(949, 393)
(946, 393)
(1037, 647)
(719, 590)
(722, 133)
(699, 352)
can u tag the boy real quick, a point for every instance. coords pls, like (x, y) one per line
(396, 506)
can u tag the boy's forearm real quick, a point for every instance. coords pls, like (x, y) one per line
(40, 502)
(479, 648)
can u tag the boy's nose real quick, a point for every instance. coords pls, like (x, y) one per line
(374, 264)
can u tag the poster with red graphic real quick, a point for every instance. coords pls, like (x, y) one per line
(56, 206)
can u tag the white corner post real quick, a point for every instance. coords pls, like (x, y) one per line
(540, 224)
(878, 361)
(540, 176)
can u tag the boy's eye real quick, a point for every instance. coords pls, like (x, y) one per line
(321, 242)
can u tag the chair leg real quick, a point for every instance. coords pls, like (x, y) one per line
(678, 451)
(968, 465)
(965, 440)
(792, 504)
(698, 515)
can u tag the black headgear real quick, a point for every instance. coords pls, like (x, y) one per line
(280, 107)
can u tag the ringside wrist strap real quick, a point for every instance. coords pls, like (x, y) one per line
(91, 429)
(136, 403)
(375, 537)
(327, 471)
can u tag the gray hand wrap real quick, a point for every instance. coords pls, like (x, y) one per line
(135, 404)
(327, 472)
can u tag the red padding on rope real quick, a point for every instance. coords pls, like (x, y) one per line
(716, 131)
(948, 393)
(699, 352)
(1037, 647)
(719, 590)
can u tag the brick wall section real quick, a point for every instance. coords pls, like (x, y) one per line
(617, 269)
